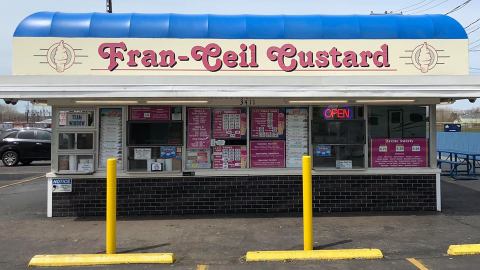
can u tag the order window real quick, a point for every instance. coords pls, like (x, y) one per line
(398, 136)
(155, 138)
(75, 141)
(338, 137)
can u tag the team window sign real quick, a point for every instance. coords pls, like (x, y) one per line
(277, 57)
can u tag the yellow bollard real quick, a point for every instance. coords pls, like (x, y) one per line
(111, 227)
(307, 203)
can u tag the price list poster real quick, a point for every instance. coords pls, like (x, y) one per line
(297, 136)
(110, 136)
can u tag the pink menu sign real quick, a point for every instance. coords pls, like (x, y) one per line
(229, 157)
(159, 113)
(229, 123)
(399, 152)
(199, 128)
(267, 154)
(267, 123)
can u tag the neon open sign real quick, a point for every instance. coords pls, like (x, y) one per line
(345, 113)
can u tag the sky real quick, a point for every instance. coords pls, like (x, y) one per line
(15, 11)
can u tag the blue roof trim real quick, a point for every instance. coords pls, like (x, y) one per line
(136, 25)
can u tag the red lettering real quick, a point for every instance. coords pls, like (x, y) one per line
(149, 59)
(334, 53)
(131, 58)
(322, 59)
(112, 53)
(243, 55)
(337, 113)
(364, 56)
(253, 55)
(230, 59)
(203, 54)
(350, 59)
(381, 54)
(168, 54)
(279, 54)
(306, 59)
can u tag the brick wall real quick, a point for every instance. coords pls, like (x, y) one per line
(249, 194)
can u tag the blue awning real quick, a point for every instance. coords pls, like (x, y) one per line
(135, 25)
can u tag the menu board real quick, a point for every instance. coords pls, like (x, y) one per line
(157, 113)
(198, 159)
(229, 123)
(267, 154)
(399, 152)
(229, 157)
(199, 128)
(297, 136)
(110, 136)
(267, 123)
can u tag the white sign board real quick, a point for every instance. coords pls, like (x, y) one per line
(62, 185)
(297, 136)
(251, 57)
(343, 164)
(142, 153)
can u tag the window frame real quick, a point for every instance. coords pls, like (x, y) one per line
(429, 129)
(75, 130)
(365, 144)
(126, 147)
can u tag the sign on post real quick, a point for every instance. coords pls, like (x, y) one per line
(452, 127)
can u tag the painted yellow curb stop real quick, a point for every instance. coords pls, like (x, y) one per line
(470, 249)
(100, 259)
(334, 254)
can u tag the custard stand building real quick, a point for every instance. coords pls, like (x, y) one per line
(212, 113)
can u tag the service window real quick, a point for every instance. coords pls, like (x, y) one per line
(338, 137)
(398, 136)
(155, 138)
(216, 138)
(75, 141)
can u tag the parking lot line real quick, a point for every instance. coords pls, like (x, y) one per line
(417, 263)
(202, 267)
(23, 181)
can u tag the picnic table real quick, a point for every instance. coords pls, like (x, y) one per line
(456, 159)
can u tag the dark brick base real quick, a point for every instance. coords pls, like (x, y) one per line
(250, 194)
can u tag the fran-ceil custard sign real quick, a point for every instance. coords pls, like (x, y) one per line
(96, 56)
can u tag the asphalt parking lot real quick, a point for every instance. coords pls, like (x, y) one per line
(214, 242)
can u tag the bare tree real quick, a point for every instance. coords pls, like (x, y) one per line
(447, 115)
(9, 114)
